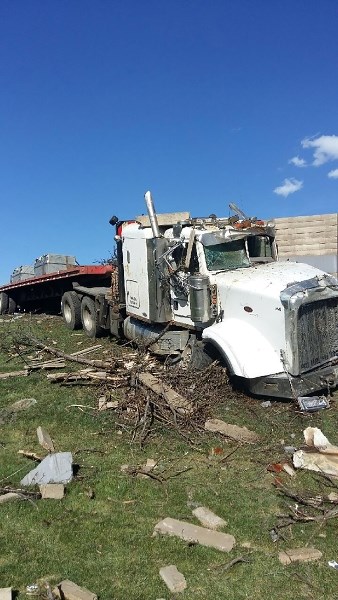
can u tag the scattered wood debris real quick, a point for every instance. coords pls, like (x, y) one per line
(31, 455)
(174, 400)
(240, 434)
(23, 373)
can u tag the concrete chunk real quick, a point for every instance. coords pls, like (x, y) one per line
(173, 579)
(6, 593)
(299, 555)
(55, 468)
(240, 434)
(67, 590)
(207, 518)
(196, 534)
(55, 491)
(9, 497)
(44, 439)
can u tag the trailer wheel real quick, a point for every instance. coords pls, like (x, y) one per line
(4, 301)
(11, 306)
(71, 310)
(90, 318)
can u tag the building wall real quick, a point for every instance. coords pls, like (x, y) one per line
(313, 240)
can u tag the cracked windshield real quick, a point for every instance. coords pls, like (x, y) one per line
(230, 255)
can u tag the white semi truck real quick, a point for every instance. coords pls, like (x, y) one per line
(204, 287)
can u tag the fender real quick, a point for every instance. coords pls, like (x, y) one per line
(249, 354)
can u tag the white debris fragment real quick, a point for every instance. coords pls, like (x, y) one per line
(55, 468)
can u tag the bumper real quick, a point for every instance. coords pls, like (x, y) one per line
(279, 385)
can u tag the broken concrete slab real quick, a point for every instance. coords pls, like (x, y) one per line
(55, 468)
(44, 439)
(323, 456)
(6, 593)
(67, 590)
(173, 579)
(9, 497)
(287, 557)
(240, 434)
(207, 518)
(195, 534)
(53, 491)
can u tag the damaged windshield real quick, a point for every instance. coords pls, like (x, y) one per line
(225, 256)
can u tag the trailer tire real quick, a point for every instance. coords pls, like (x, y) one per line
(90, 318)
(11, 306)
(4, 301)
(71, 310)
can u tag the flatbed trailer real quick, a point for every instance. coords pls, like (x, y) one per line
(44, 292)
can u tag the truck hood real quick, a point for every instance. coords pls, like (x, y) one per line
(267, 279)
(250, 330)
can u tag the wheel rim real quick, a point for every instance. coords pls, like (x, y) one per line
(67, 313)
(87, 319)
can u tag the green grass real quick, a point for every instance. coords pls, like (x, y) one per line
(105, 543)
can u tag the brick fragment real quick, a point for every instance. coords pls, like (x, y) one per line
(299, 555)
(55, 491)
(67, 590)
(173, 579)
(195, 534)
(207, 518)
(44, 439)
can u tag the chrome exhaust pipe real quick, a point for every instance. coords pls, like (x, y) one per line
(152, 214)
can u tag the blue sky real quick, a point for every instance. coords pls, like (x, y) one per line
(203, 103)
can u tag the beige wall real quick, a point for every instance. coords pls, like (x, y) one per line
(311, 239)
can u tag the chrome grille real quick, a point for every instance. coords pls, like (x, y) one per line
(317, 333)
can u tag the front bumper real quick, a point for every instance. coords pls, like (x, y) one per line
(279, 385)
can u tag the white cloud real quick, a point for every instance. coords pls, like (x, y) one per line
(290, 186)
(298, 162)
(333, 174)
(326, 148)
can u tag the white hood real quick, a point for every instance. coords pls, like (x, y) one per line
(251, 330)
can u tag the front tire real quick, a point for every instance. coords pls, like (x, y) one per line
(71, 310)
(90, 318)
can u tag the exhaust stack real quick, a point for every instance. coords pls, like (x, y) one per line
(152, 214)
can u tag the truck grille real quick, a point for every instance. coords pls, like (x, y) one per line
(317, 333)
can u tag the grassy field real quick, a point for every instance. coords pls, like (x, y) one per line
(100, 534)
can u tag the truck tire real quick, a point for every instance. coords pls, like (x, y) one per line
(71, 310)
(90, 318)
(202, 355)
(4, 301)
(11, 306)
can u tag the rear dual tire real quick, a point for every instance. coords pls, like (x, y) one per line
(71, 310)
(7, 304)
(90, 318)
